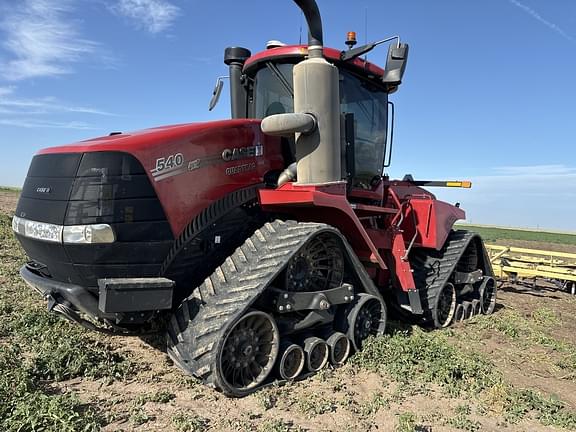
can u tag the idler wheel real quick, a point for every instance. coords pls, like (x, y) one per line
(317, 352)
(367, 317)
(318, 266)
(444, 306)
(291, 362)
(339, 345)
(249, 352)
(488, 295)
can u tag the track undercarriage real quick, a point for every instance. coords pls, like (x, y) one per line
(294, 297)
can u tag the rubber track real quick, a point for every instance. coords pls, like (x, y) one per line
(199, 326)
(207, 217)
(432, 268)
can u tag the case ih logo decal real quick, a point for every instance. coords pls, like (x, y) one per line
(243, 153)
(43, 190)
(175, 164)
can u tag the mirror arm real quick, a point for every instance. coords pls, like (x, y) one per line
(357, 52)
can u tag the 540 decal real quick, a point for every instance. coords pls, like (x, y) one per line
(168, 166)
(170, 162)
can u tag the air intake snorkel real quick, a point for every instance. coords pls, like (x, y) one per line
(316, 117)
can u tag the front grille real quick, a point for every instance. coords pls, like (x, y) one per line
(90, 188)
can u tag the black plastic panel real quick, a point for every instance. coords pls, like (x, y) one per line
(42, 210)
(134, 294)
(55, 165)
(109, 164)
(119, 253)
(47, 188)
(136, 231)
(91, 273)
(114, 211)
(109, 187)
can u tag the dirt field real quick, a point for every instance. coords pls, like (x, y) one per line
(514, 371)
(8, 201)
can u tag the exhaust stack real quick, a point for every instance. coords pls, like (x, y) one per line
(317, 95)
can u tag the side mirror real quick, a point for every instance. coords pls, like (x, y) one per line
(395, 64)
(216, 93)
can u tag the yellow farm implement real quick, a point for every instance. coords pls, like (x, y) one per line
(511, 263)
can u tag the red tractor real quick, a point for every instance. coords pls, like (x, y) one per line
(264, 246)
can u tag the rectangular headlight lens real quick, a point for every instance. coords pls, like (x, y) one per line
(42, 231)
(76, 234)
(88, 234)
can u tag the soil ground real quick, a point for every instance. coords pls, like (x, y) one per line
(531, 341)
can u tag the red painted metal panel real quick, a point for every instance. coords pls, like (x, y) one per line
(204, 175)
(333, 55)
(327, 204)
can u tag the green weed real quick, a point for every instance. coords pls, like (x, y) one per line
(315, 404)
(462, 421)
(186, 422)
(427, 357)
(406, 422)
(161, 396)
(278, 426)
(548, 410)
(25, 405)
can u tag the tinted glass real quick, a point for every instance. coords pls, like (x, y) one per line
(271, 95)
(369, 106)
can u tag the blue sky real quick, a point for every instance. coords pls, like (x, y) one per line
(489, 93)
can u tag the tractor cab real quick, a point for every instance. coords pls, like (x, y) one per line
(262, 86)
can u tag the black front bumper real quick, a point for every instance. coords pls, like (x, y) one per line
(55, 292)
(117, 298)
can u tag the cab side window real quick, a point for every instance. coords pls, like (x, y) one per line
(369, 105)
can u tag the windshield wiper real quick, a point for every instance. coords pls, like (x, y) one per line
(276, 72)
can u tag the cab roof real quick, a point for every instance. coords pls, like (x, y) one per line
(300, 51)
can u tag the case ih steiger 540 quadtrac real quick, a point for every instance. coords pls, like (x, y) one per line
(265, 246)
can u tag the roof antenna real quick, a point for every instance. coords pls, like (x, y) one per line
(300, 40)
(366, 30)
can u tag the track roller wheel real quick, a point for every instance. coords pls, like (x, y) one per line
(248, 353)
(476, 309)
(339, 345)
(365, 317)
(317, 352)
(291, 361)
(488, 295)
(459, 313)
(444, 306)
(572, 288)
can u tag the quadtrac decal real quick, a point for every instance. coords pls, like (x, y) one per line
(175, 164)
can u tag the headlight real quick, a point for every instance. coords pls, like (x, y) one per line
(37, 230)
(88, 234)
(76, 234)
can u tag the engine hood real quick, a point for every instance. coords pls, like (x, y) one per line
(142, 140)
